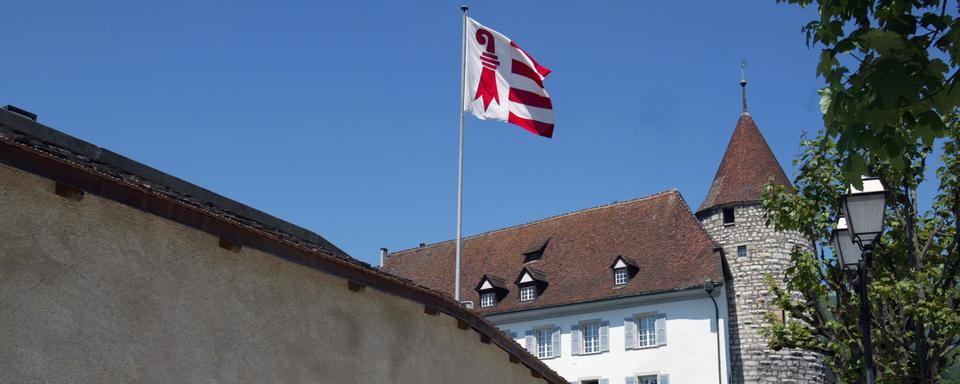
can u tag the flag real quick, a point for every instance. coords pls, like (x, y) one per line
(503, 82)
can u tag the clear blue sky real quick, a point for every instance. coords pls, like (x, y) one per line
(341, 116)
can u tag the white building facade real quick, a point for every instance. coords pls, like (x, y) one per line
(650, 339)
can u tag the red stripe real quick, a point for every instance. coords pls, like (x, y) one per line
(536, 127)
(488, 54)
(522, 69)
(543, 71)
(530, 98)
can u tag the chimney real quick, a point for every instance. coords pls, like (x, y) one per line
(383, 256)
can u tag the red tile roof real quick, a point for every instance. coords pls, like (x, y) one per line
(747, 165)
(657, 232)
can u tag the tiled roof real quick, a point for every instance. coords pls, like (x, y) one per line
(747, 165)
(657, 232)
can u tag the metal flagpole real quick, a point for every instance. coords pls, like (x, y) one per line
(463, 74)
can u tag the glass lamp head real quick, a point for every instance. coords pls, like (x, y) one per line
(847, 252)
(864, 210)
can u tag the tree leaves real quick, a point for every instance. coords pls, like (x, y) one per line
(882, 61)
(884, 42)
(914, 292)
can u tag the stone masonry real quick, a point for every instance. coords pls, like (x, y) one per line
(768, 252)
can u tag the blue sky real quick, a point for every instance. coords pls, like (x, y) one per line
(341, 116)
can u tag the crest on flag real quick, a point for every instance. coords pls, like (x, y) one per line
(496, 67)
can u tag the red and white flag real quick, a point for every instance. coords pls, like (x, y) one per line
(505, 83)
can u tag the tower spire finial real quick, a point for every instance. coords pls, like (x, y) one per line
(743, 84)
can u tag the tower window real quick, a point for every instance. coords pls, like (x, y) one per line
(742, 251)
(728, 217)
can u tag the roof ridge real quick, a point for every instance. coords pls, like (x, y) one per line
(562, 215)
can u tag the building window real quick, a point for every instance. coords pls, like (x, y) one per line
(591, 337)
(589, 381)
(647, 331)
(620, 276)
(528, 292)
(728, 217)
(742, 251)
(649, 379)
(545, 342)
(487, 299)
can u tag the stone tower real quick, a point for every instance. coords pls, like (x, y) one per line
(732, 215)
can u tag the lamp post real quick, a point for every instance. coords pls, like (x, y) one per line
(853, 240)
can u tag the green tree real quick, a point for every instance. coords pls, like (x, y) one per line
(914, 290)
(890, 68)
(952, 375)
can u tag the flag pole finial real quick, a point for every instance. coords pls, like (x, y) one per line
(743, 84)
(464, 8)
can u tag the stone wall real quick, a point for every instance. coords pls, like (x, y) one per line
(749, 300)
(93, 291)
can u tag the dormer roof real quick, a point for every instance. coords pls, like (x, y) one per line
(530, 275)
(622, 261)
(491, 282)
(747, 166)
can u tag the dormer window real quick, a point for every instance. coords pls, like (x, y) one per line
(624, 269)
(531, 282)
(492, 289)
(487, 299)
(620, 276)
(528, 292)
(535, 251)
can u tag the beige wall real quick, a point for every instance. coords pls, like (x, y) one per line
(94, 291)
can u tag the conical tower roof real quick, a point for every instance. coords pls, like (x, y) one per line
(747, 165)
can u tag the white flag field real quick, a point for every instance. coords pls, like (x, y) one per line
(503, 82)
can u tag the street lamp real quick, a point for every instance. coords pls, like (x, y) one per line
(853, 240)
(864, 210)
(849, 252)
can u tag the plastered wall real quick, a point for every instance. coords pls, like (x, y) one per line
(93, 291)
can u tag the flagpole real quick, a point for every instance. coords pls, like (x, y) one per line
(463, 74)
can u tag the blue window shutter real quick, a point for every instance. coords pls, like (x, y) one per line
(629, 334)
(604, 336)
(661, 329)
(604, 381)
(575, 340)
(663, 378)
(631, 380)
(530, 341)
(556, 341)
